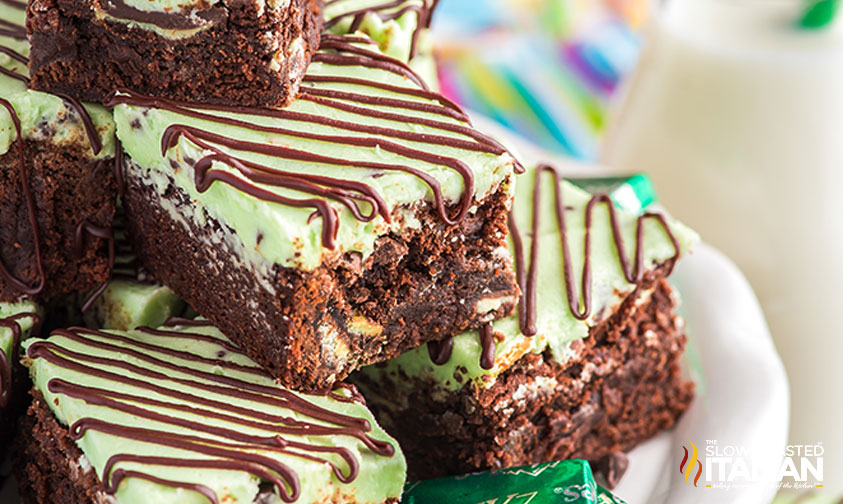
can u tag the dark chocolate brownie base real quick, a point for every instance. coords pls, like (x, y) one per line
(418, 287)
(623, 388)
(47, 463)
(67, 187)
(77, 53)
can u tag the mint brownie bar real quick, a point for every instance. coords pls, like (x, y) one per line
(588, 367)
(363, 220)
(16, 321)
(248, 52)
(56, 185)
(179, 415)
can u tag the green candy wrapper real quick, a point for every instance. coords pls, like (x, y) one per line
(568, 482)
(633, 193)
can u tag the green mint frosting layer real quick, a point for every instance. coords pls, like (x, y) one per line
(556, 324)
(339, 101)
(393, 26)
(189, 6)
(126, 304)
(8, 310)
(190, 388)
(43, 116)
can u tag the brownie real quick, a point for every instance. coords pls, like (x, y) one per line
(57, 191)
(248, 52)
(171, 414)
(363, 220)
(588, 368)
(624, 387)
(17, 320)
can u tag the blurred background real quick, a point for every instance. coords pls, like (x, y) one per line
(733, 107)
(546, 69)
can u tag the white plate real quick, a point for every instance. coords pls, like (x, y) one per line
(742, 396)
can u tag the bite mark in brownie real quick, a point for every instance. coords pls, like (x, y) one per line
(246, 52)
(364, 219)
(320, 325)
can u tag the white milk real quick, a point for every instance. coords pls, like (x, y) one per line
(738, 117)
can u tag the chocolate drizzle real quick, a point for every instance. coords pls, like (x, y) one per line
(173, 389)
(33, 218)
(117, 167)
(361, 199)
(487, 341)
(12, 29)
(6, 361)
(388, 11)
(527, 273)
(17, 4)
(358, 56)
(197, 18)
(18, 31)
(579, 303)
(104, 233)
(181, 321)
(440, 351)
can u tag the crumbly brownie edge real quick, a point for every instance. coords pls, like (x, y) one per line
(75, 53)
(419, 286)
(67, 186)
(48, 465)
(50, 468)
(625, 387)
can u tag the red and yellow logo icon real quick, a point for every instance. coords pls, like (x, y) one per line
(686, 467)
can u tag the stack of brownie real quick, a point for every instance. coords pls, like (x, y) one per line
(267, 201)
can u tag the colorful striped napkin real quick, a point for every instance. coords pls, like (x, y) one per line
(545, 69)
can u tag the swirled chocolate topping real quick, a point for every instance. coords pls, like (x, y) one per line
(193, 400)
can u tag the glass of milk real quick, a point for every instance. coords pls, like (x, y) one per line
(737, 114)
